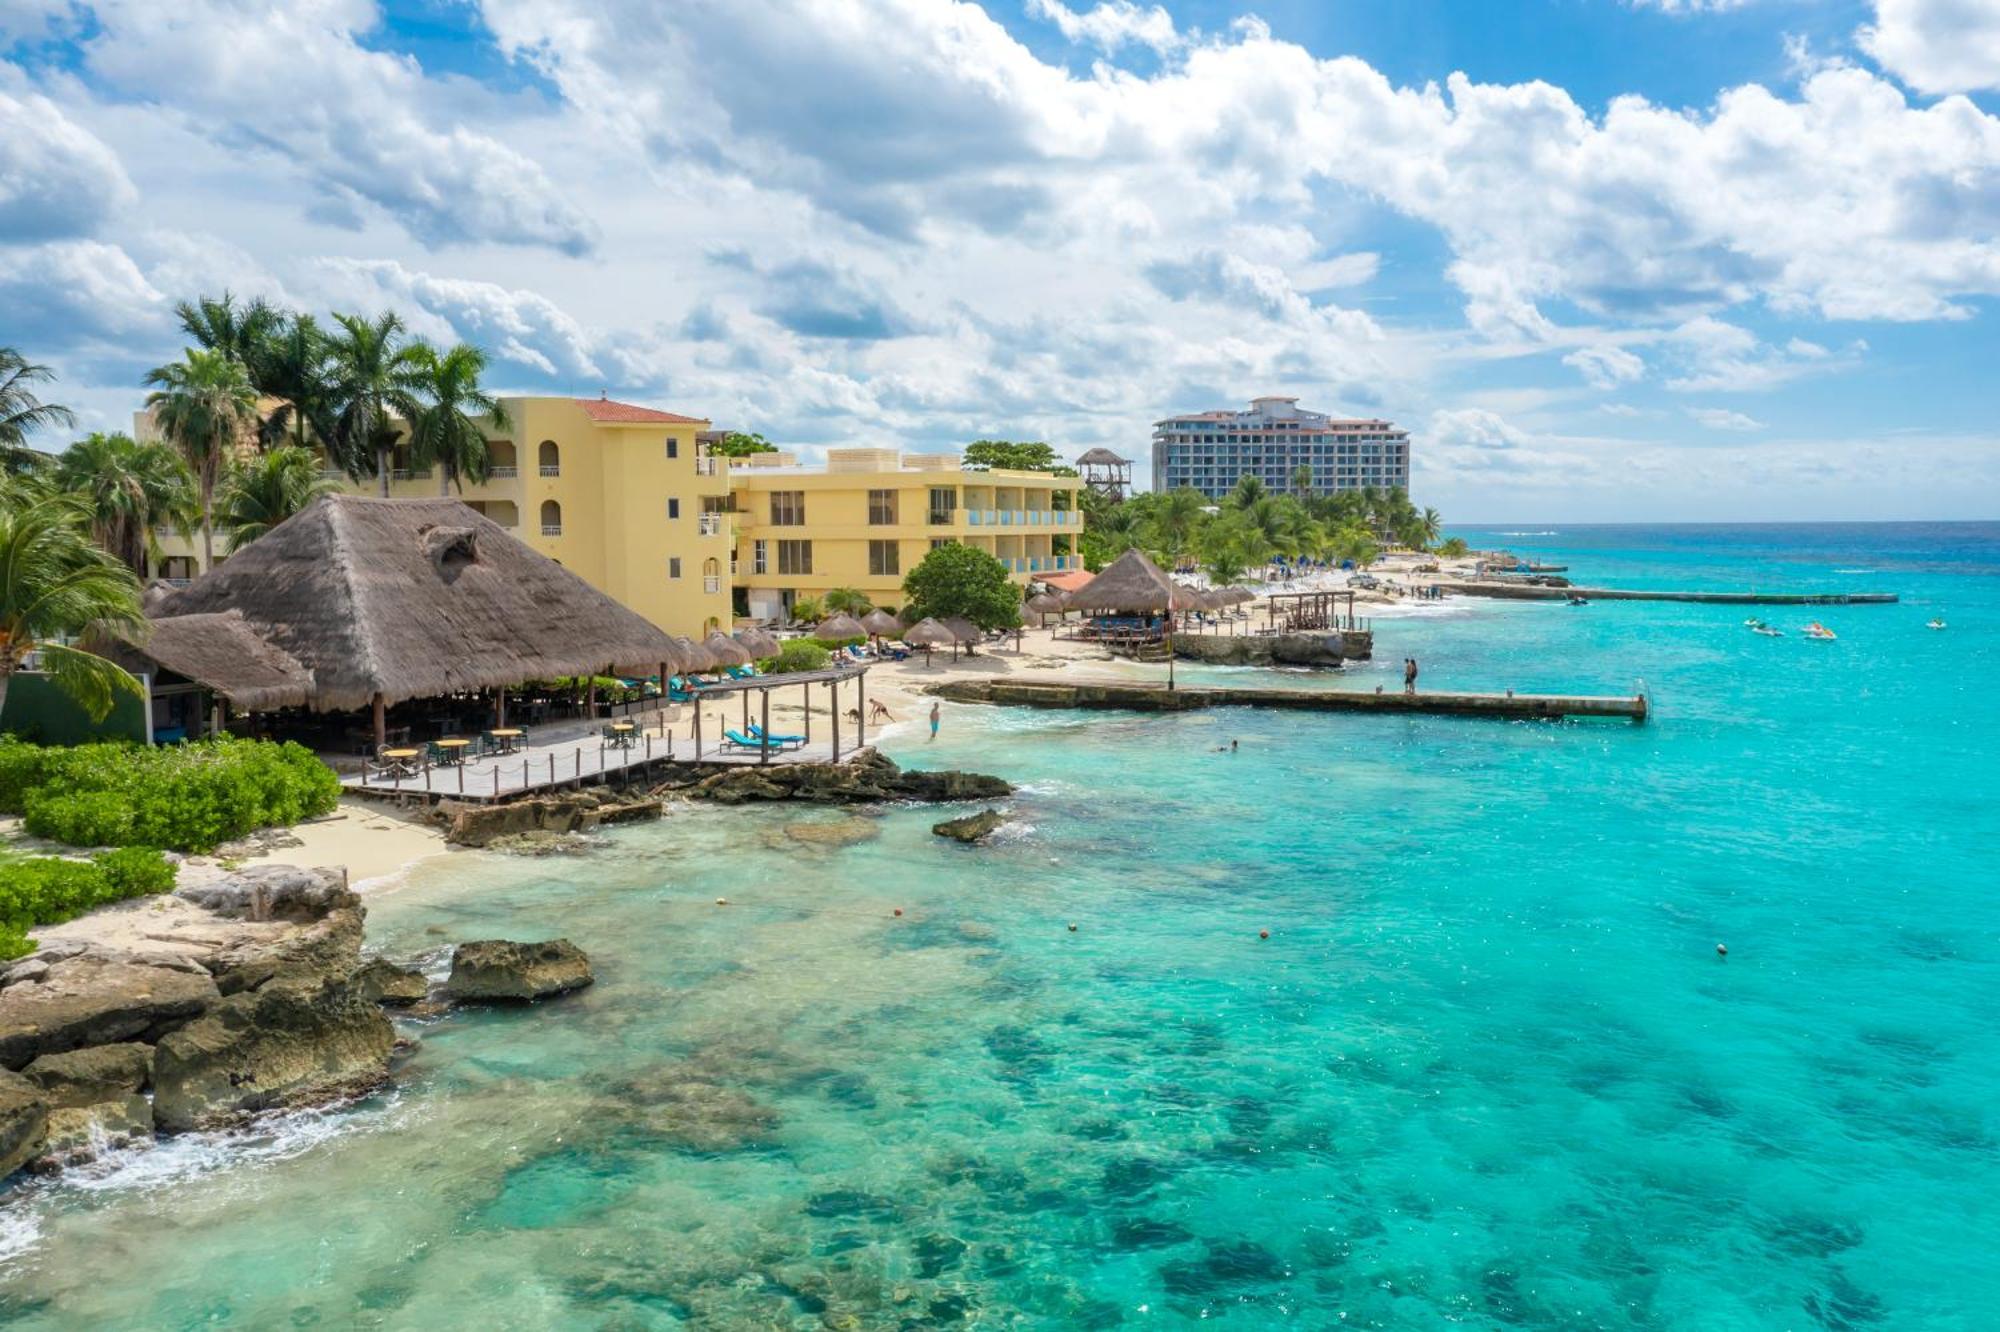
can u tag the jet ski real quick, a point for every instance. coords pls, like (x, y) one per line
(1937, 623)
(1820, 631)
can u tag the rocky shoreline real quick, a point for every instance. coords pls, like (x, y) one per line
(252, 996)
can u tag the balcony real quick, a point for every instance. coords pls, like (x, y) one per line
(503, 473)
(943, 517)
(551, 469)
(410, 474)
(704, 467)
(551, 529)
(711, 524)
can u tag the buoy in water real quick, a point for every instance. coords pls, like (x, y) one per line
(1722, 950)
(1263, 934)
(899, 911)
(1072, 927)
(722, 901)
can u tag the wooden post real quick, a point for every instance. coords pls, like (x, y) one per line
(807, 691)
(500, 706)
(833, 700)
(461, 779)
(861, 709)
(764, 751)
(697, 730)
(590, 700)
(746, 714)
(381, 724)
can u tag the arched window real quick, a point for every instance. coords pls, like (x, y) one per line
(711, 625)
(550, 458)
(551, 518)
(500, 454)
(711, 575)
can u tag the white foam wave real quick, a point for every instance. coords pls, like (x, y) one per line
(1543, 533)
(1857, 571)
(20, 1232)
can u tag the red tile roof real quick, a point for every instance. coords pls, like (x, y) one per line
(1068, 582)
(624, 413)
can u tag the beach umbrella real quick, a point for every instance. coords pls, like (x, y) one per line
(879, 623)
(1134, 585)
(758, 643)
(725, 650)
(1046, 604)
(928, 634)
(694, 657)
(836, 627)
(962, 631)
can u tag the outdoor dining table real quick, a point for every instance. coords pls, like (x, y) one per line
(453, 750)
(401, 762)
(506, 735)
(622, 734)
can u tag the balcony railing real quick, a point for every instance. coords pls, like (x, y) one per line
(410, 474)
(711, 524)
(551, 529)
(711, 583)
(505, 472)
(704, 467)
(943, 517)
(551, 469)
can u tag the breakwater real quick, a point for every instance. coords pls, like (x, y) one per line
(1537, 592)
(1154, 698)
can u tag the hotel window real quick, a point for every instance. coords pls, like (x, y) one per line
(942, 541)
(760, 557)
(674, 566)
(788, 508)
(881, 508)
(795, 557)
(884, 559)
(673, 507)
(944, 504)
(673, 448)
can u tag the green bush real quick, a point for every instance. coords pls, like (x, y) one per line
(795, 655)
(46, 890)
(181, 797)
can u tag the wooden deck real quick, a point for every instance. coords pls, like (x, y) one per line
(1157, 698)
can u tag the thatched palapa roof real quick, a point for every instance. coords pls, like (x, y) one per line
(417, 598)
(928, 633)
(758, 643)
(1100, 456)
(964, 630)
(879, 621)
(222, 652)
(1133, 584)
(837, 627)
(725, 650)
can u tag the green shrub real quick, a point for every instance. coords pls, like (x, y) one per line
(21, 770)
(85, 818)
(14, 942)
(183, 797)
(795, 655)
(46, 890)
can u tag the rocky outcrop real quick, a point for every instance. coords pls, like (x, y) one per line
(298, 1037)
(500, 969)
(583, 811)
(849, 831)
(868, 778)
(273, 892)
(972, 828)
(94, 1099)
(97, 998)
(380, 981)
(24, 1122)
(328, 915)
(1320, 650)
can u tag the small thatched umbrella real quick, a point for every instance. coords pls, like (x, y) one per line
(758, 643)
(963, 631)
(837, 627)
(879, 622)
(1046, 604)
(725, 650)
(695, 657)
(1134, 585)
(928, 634)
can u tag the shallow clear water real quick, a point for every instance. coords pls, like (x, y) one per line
(1488, 1069)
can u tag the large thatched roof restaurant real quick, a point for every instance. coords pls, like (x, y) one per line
(359, 616)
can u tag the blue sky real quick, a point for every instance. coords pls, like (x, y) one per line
(1606, 259)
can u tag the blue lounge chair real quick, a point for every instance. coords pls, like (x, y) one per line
(793, 740)
(737, 740)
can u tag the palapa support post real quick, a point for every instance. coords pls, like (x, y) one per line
(861, 709)
(381, 724)
(590, 699)
(500, 706)
(764, 749)
(806, 691)
(697, 729)
(833, 701)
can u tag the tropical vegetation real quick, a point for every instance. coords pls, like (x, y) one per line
(204, 404)
(57, 583)
(958, 580)
(46, 890)
(796, 655)
(130, 490)
(261, 492)
(22, 413)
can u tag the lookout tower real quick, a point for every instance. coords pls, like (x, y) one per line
(1106, 473)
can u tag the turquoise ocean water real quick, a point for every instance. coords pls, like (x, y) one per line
(1488, 1069)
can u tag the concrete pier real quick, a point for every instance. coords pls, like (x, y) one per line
(1533, 592)
(1158, 698)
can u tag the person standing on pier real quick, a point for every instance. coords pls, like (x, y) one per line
(1409, 675)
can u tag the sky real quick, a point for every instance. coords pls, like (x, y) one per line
(1606, 260)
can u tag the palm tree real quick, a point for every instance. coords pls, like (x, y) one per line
(262, 492)
(448, 432)
(375, 379)
(219, 325)
(1429, 524)
(291, 364)
(130, 490)
(1175, 518)
(1302, 479)
(1247, 492)
(205, 407)
(850, 600)
(22, 413)
(56, 583)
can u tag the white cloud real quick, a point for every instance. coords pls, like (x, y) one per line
(56, 178)
(1721, 418)
(1689, 6)
(1937, 46)
(1606, 367)
(1716, 356)
(1112, 24)
(360, 125)
(72, 293)
(523, 327)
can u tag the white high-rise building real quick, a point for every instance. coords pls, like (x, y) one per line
(1209, 451)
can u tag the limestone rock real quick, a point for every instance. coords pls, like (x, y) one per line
(839, 833)
(868, 778)
(501, 969)
(274, 892)
(97, 997)
(380, 981)
(329, 947)
(24, 1121)
(299, 1037)
(84, 1077)
(79, 1133)
(972, 828)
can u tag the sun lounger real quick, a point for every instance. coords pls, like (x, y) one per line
(775, 738)
(737, 740)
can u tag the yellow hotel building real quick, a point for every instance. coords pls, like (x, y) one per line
(622, 495)
(868, 516)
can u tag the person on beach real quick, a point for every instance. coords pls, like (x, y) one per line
(936, 712)
(878, 713)
(1409, 675)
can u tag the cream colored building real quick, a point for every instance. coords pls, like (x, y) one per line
(868, 516)
(620, 494)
